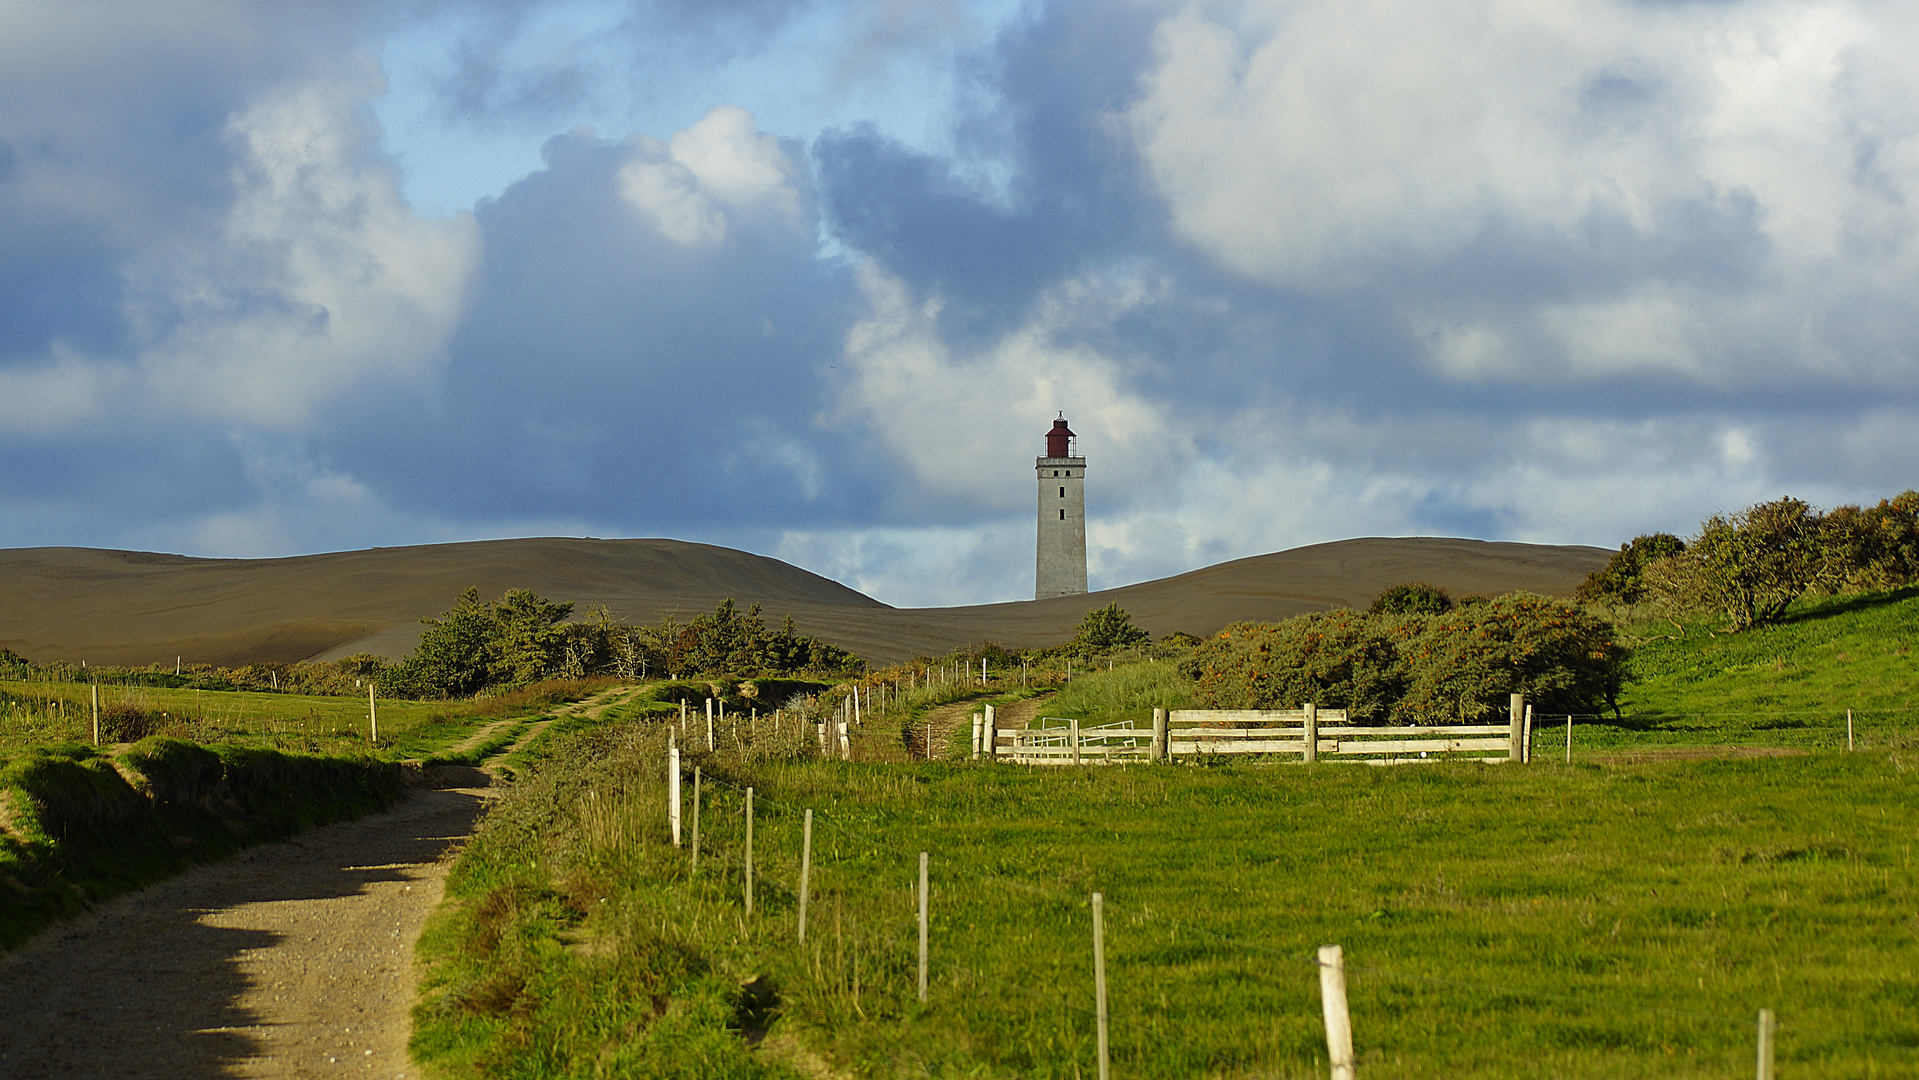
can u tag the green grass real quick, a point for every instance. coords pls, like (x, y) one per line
(1623, 919)
(1124, 694)
(35, 713)
(1785, 685)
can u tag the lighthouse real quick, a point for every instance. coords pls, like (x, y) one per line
(1060, 569)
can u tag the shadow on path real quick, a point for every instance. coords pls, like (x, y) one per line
(290, 959)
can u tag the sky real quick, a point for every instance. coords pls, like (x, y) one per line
(811, 278)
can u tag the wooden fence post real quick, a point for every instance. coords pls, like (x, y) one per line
(749, 851)
(709, 724)
(1527, 745)
(1848, 730)
(991, 733)
(372, 716)
(846, 743)
(1569, 738)
(696, 820)
(1339, 1022)
(96, 714)
(1099, 980)
(1515, 727)
(922, 928)
(1075, 737)
(673, 791)
(976, 731)
(1158, 750)
(806, 870)
(1767, 1025)
(1312, 732)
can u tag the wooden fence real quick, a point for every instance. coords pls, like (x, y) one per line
(1312, 734)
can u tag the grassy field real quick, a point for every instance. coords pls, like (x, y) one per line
(34, 713)
(1621, 919)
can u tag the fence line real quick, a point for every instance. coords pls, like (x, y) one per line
(1257, 947)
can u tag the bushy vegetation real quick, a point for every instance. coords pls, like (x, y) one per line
(1455, 666)
(1498, 923)
(1749, 567)
(1412, 598)
(480, 645)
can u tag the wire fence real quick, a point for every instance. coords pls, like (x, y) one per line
(1281, 971)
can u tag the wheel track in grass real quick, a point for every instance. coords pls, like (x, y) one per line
(292, 959)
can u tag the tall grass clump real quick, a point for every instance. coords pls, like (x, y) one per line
(1125, 694)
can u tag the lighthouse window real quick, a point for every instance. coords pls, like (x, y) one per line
(1062, 515)
(1062, 493)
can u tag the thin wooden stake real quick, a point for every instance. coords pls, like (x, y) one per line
(1527, 745)
(709, 725)
(1099, 980)
(806, 870)
(749, 851)
(372, 716)
(673, 792)
(696, 820)
(96, 714)
(1767, 1025)
(922, 928)
(1075, 737)
(1848, 729)
(1339, 1022)
(1569, 738)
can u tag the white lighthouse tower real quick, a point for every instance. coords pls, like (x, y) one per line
(1060, 569)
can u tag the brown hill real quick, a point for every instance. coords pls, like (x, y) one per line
(117, 607)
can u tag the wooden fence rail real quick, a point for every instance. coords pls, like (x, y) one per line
(1313, 734)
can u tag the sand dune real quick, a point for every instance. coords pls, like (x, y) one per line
(118, 607)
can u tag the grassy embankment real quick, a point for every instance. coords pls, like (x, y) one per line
(1598, 920)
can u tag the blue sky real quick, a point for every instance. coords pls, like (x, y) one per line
(811, 278)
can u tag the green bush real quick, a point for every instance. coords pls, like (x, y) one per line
(1412, 598)
(1622, 579)
(1463, 665)
(1340, 659)
(1453, 667)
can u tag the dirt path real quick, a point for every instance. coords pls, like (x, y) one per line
(288, 960)
(947, 720)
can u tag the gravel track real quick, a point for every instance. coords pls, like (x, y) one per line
(288, 960)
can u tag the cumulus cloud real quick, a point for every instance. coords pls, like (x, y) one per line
(720, 167)
(1614, 151)
(321, 283)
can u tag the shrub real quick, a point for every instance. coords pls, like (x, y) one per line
(1463, 665)
(1106, 629)
(1453, 667)
(1339, 659)
(1622, 579)
(1412, 598)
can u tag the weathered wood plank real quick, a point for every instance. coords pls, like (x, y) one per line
(1439, 729)
(1271, 746)
(1415, 746)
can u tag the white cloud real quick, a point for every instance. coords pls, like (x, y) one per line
(1708, 188)
(966, 423)
(320, 283)
(720, 168)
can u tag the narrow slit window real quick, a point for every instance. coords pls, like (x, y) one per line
(1062, 493)
(1062, 515)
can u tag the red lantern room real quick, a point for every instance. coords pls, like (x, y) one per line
(1058, 443)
